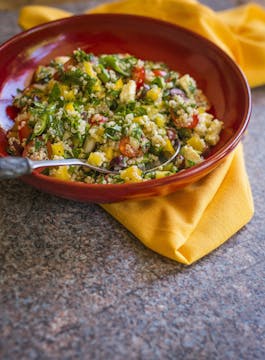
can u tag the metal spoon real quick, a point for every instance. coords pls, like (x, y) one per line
(12, 167)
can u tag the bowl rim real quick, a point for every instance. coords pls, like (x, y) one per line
(211, 162)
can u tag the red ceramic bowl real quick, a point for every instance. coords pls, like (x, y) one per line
(218, 76)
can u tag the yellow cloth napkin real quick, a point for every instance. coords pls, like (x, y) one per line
(192, 222)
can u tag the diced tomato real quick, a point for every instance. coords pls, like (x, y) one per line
(195, 120)
(24, 132)
(178, 123)
(138, 75)
(27, 148)
(12, 111)
(97, 119)
(159, 72)
(3, 141)
(127, 148)
(49, 149)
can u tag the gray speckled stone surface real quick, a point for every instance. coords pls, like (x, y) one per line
(74, 284)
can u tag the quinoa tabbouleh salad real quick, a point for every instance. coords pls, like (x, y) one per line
(113, 111)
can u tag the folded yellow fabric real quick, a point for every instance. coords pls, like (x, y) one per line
(192, 222)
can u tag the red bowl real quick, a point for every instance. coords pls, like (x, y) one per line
(215, 72)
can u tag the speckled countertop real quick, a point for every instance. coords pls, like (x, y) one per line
(74, 284)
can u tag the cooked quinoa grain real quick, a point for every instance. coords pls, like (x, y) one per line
(113, 111)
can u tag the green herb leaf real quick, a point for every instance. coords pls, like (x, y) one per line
(55, 93)
(159, 81)
(41, 124)
(191, 163)
(113, 132)
(139, 111)
(115, 63)
(81, 56)
(103, 74)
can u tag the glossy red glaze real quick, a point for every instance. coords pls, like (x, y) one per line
(218, 76)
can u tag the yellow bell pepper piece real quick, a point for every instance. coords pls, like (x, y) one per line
(61, 173)
(89, 69)
(118, 84)
(69, 107)
(197, 143)
(160, 120)
(201, 110)
(169, 148)
(97, 86)
(161, 174)
(131, 174)
(109, 153)
(66, 92)
(96, 158)
(57, 149)
(154, 94)
(138, 119)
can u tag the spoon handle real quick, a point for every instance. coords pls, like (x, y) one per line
(12, 167)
